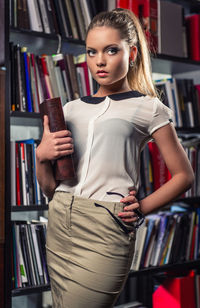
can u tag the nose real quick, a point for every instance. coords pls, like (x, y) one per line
(100, 60)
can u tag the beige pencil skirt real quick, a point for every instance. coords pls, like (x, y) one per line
(89, 251)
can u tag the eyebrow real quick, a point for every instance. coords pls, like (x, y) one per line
(106, 47)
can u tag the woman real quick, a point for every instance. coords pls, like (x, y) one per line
(93, 218)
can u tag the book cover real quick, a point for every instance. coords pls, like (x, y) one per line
(170, 30)
(64, 166)
(175, 292)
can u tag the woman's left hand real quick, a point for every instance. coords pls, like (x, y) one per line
(131, 203)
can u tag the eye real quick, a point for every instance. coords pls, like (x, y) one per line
(91, 52)
(113, 50)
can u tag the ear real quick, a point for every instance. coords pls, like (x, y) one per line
(133, 53)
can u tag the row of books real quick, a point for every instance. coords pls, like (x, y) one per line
(154, 172)
(177, 35)
(35, 78)
(183, 97)
(29, 254)
(169, 29)
(65, 17)
(167, 238)
(25, 189)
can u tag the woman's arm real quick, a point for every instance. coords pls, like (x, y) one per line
(179, 167)
(51, 147)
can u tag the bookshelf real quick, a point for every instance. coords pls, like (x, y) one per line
(37, 42)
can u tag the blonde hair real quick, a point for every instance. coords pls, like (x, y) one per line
(140, 75)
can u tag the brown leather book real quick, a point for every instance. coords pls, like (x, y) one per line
(64, 166)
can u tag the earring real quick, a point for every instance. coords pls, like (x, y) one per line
(131, 63)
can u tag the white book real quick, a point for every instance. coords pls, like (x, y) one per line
(189, 111)
(44, 16)
(176, 102)
(34, 15)
(111, 5)
(40, 90)
(60, 84)
(13, 172)
(86, 12)
(139, 244)
(37, 254)
(38, 191)
(52, 75)
(31, 265)
(80, 72)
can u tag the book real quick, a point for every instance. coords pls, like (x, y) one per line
(160, 172)
(176, 292)
(34, 16)
(170, 30)
(193, 36)
(140, 239)
(64, 166)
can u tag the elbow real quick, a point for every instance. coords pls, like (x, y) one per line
(189, 179)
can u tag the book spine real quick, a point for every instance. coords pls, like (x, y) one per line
(64, 167)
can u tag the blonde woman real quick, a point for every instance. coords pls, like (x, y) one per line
(93, 219)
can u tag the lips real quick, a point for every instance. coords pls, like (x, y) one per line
(102, 73)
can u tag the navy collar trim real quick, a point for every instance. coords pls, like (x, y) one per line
(117, 97)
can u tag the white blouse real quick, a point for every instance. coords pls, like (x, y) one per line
(109, 134)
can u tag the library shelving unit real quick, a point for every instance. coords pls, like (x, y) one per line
(45, 43)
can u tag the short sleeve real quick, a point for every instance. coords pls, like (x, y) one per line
(161, 116)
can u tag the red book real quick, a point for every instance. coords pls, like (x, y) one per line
(193, 28)
(175, 292)
(18, 196)
(160, 171)
(147, 12)
(122, 4)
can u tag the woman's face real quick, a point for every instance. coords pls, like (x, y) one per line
(107, 56)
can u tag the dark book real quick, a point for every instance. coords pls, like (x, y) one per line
(50, 16)
(61, 19)
(70, 18)
(41, 239)
(33, 254)
(64, 166)
(73, 75)
(52, 9)
(25, 253)
(79, 19)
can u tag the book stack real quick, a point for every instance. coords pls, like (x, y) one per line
(35, 78)
(25, 189)
(167, 238)
(182, 97)
(29, 254)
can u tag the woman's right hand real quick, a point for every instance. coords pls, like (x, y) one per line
(54, 145)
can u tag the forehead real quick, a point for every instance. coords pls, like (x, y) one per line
(103, 35)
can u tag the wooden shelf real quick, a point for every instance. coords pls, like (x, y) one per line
(28, 208)
(30, 290)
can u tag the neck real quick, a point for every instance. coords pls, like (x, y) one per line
(113, 89)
